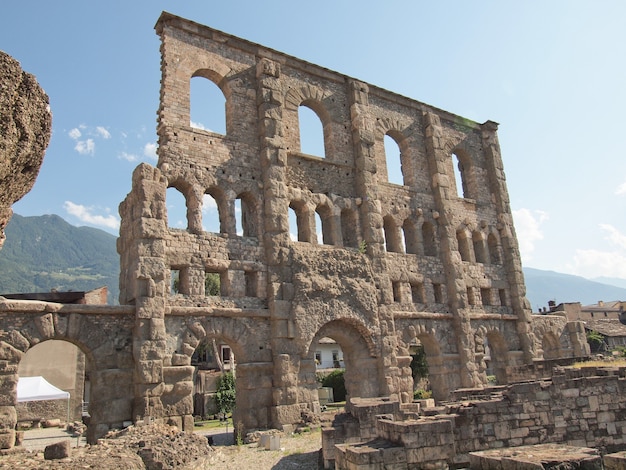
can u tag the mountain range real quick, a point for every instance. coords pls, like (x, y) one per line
(45, 252)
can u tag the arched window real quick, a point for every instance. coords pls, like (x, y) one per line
(428, 239)
(349, 228)
(464, 245)
(411, 237)
(207, 106)
(311, 132)
(460, 176)
(393, 160)
(211, 220)
(494, 249)
(246, 215)
(324, 221)
(176, 208)
(293, 224)
(393, 238)
(479, 247)
(303, 224)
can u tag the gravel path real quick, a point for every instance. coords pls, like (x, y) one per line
(38, 439)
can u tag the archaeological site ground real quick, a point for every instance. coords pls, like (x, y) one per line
(377, 266)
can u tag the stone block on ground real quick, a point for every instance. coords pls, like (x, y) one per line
(58, 450)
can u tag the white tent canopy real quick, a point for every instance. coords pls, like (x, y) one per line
(38, 389)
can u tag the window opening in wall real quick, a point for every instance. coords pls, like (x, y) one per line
(210, 214)
(479, 248)
(212, 283)
(176, 208)
(311, 132)
(246, 215)
(174, 281)
(502, 295)
(293, 224)
(349, 228)
(438, 293)
(417, 292)
(318, 358)
(238, 218)
(494, 251)
(411, 238)
(207, 106)
(302, 224)
(336, 359)
(428, 239)
(464, 246)
(397, 291)
(319, 235)
(393, 238)
(459, 176)
(393, 160)
(324, 224)
(485, 295)
(471, 300)
(252, 282)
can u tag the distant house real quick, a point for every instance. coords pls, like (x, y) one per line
(328, 355)
(612, 331)
(573, 311)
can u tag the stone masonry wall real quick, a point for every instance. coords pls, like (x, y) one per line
(581, 407)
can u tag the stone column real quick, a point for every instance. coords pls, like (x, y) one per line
(273, 155)
(143, 238)
(453, 265)
(512, 258)
(363, 138)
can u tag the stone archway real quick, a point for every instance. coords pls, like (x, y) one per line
(361, 366)
(497, 351)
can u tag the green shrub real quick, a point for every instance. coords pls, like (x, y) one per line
(422, 394)
(225, 394)
(336, 381)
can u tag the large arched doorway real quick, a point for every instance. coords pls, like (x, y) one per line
(63, 365)
(351, 352)
(428, 367)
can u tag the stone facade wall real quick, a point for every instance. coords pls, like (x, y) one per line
(395, 264)
(580, 407)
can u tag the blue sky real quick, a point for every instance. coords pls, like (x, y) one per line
(553, 75)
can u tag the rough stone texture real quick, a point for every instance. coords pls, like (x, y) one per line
(396, 264)
(25, 126)
(58, 450)
(577, 407)
(538, 457)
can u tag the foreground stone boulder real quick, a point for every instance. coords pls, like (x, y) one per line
(58, 450)
(25, 127)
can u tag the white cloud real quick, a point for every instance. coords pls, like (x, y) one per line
(102, 132)
(610, 262)
(84, 214)
(129, 157)
(149, 150)
(208, 204)
(198, 125)
(528, 229)
(85, 147)
(75, 134)
(621, 189)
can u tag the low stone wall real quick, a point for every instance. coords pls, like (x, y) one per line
(582, 407)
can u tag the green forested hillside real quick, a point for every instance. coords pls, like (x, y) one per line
(45, 252)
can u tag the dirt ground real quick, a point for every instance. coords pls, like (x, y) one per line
(167, 450)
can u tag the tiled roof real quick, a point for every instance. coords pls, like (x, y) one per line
(606, 327)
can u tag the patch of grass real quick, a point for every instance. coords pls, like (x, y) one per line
(212, 423)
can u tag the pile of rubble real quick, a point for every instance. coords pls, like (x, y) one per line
(151, 447)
